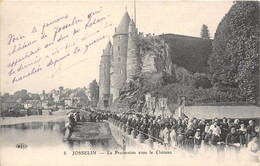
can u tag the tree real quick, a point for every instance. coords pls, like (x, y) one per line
(94, 92)
(204, 34)
(234, 62)
(61, 88)
(21, 95)
(35, 97)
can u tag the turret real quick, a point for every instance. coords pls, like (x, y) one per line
(104, 77)
(120, 42)
(133, 60)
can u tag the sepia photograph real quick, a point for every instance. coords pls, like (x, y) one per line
(129, 83)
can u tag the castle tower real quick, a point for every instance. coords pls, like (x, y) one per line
(133, 60)
(104, 77)
(120, 42)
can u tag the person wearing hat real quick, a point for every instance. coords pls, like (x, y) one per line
(197, 140)
(232, 137)
(237, 124)
(250, 131)
(232, 143)
(180, 134)
(70, 125)
(216, 132)
(77, 116)
(242, 134)
(71, 118)
(202, 125)
(189, 139)
(224, 128)
(166, 135)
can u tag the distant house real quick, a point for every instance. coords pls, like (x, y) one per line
(42, 96)
(75, 101)
(36, 104)
(45, 104)
(68, 102)
(56, 98)
(33, 107)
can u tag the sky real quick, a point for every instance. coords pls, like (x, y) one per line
(60, 43)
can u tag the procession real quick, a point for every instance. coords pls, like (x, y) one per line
(192, 135)
(130, 83)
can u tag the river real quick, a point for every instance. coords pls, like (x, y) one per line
(46, 134)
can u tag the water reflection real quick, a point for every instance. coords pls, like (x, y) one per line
(47, 134)
(55, 126)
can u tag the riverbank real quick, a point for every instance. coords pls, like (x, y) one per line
(56, 116)
(28, 119)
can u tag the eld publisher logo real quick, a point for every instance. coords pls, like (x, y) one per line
(21, 146)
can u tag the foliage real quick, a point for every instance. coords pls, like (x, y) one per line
(202, 80)
(204, 34)
(189, 52)
(20, 96)
(234, 62)
(94, 92)
(61, 88)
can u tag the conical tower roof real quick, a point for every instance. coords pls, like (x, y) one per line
(131, 26)
(107, 49)
(123, 26)
(132, 22)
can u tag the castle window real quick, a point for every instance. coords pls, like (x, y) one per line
(121, 71)
(118, 48)
(119, 59)
(118, 37)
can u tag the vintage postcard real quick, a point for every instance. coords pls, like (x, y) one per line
(129, 83)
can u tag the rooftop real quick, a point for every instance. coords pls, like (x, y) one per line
(123, 26)
(107, 49)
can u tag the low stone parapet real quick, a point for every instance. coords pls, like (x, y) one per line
(128, 139)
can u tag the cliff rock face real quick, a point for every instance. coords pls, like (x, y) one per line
(162, 63)
(153, 55)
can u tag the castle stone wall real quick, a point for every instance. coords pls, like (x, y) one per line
(118, 77)
(133, 59)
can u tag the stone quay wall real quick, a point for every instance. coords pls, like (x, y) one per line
(128, 138)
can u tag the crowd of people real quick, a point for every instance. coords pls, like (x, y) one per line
(74, 117)
(190, 134)
(193, 135)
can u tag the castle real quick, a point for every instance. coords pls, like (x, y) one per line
(124, 60)
(119, 61)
